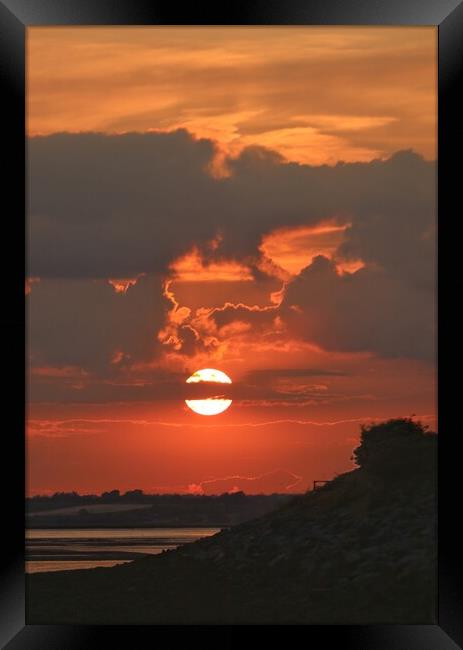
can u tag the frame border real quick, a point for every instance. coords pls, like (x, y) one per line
(15, 17)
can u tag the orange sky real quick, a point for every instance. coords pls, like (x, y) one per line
(314, 94)
(226, 244)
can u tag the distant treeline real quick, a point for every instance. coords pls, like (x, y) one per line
(70, 499)
(70, 509)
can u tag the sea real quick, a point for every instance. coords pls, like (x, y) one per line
(84, 548)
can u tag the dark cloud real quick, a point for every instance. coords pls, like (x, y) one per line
(118, 205)
(154, 386)
(85, 323)
(104, 206)
(373, 310)
(370, 310)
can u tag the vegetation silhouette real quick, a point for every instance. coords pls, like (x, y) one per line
(391, 448)
(359, 550)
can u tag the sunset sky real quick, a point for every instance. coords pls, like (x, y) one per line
(256, 200)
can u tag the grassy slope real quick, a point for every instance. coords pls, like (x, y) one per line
(360, 550)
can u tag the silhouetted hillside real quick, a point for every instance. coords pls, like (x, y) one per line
(359, 550)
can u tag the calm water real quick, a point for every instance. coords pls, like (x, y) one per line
(79, 548)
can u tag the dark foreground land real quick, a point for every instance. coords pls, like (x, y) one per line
(360, 550)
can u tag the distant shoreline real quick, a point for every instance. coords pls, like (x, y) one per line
(149, 511)
(126, 527)
(71, 548)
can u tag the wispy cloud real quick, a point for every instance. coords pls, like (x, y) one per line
(72, 426)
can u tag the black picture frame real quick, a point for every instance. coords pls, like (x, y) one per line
(15, 17)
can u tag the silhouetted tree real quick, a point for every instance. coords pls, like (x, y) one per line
(134, 496)
(396, 448)
(111, 497)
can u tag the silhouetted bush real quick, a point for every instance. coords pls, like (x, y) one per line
(397, 447)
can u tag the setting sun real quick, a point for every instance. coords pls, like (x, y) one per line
(211, 405)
